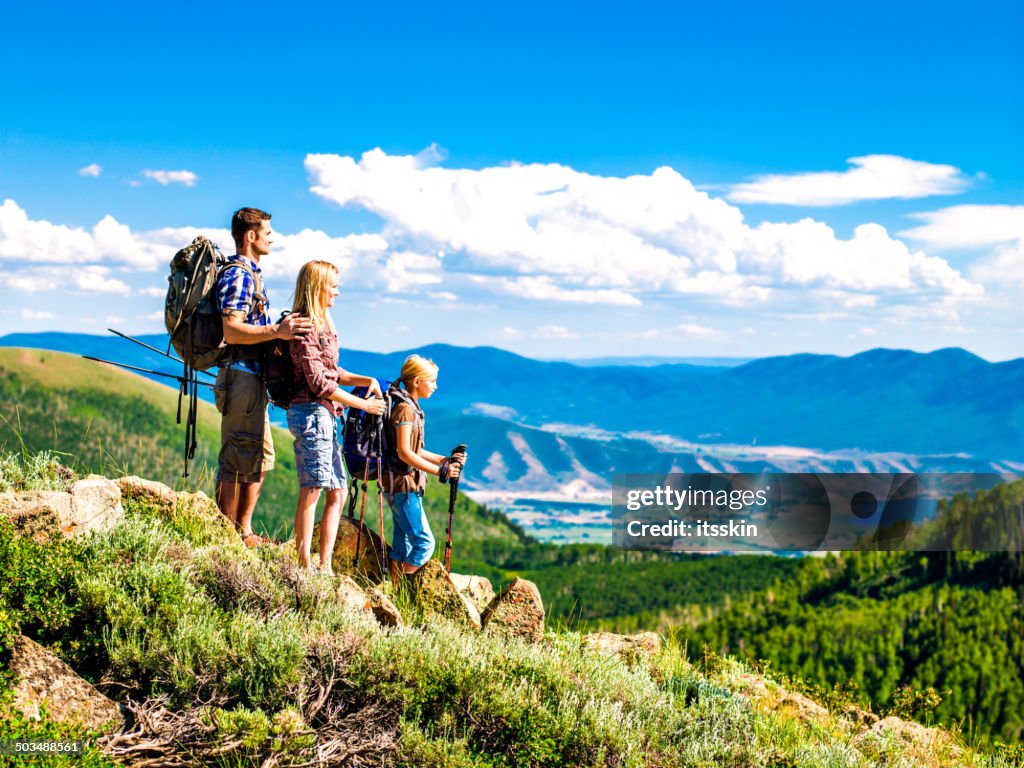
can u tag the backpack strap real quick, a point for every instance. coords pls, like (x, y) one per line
(239, 352)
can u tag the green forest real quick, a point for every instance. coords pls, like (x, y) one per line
(952, 621)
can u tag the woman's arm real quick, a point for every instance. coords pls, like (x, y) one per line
(374, 405)
(357, 380)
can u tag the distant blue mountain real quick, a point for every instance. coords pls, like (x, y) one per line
(885, 401)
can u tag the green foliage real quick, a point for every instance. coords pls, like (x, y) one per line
(33, 472)
(900, 625)
(36, 579)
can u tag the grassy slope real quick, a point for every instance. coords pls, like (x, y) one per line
(114, 422)
(264, 663)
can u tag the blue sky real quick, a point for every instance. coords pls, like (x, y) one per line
(488, 175)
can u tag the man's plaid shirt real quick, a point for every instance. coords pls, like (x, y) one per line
(235, 289)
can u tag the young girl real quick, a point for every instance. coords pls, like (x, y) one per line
(314, 410)
(405, 479)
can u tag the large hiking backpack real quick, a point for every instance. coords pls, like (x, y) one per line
(194, 322)
(364, 443)
(190, 312)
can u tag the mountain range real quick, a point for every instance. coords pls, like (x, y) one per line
(555, 427)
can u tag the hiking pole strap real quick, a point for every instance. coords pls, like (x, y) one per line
(352, 496)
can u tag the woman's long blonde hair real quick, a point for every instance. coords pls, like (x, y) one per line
(311, 292)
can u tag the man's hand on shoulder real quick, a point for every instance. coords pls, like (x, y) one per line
(294, 326)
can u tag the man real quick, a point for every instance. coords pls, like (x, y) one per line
(247, 448)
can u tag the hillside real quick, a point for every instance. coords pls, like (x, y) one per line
(953, 621)
(228, 656)
(114, 422)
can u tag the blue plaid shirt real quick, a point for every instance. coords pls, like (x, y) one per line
(235, 289)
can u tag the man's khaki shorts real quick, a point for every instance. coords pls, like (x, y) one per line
(246, 444)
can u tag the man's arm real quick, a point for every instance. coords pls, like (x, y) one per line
(237, 331)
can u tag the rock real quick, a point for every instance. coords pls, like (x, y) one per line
(344, 558)
(858, 716)
(150, 490)
(629, 647)
(751, 687)
(476, 588)
(384, 610)
(42, 678)
(799, 707)
(518, 611)
(919, 743)
(438, 594)
(352, 596)
(92, 504)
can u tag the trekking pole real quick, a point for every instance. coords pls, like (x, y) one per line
(452, 493)
(179, 379)
(175, 358)
(362, 513)
(378, 438)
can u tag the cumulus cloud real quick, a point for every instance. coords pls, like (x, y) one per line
(93, 170)
(872, 177)
(32, 314)
(165, 178)
(998, 228)
(551, 233)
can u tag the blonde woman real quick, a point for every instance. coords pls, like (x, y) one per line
(315, 408)
(406, 477)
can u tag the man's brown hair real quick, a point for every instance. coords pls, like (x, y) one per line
(246, 220)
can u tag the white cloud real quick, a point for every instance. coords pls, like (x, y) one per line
(693, 329)
(164, 178)
(555, 332)
(551, 233)
(154, 291)
(511, 333)
(92, 170)
(157, 315)
(998, 228)
(31, 314)
(115, 319)
(95, 279)
(872, 177)
(967, 226)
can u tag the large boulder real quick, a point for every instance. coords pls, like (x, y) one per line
(438, 595)
(133, 486)
(628, 647)
(478, 589)
(43, 679)
(518, 611)
(355, 552)
(92, 504)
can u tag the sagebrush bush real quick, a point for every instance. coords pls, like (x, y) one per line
(33, 472)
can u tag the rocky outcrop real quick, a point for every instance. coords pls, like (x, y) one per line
(41, 679)
(518, 612)
(439, 595)
(92, 504)
(136, 487)
(627, 647)
(349, 544)
(352, 596)
(478, 589)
